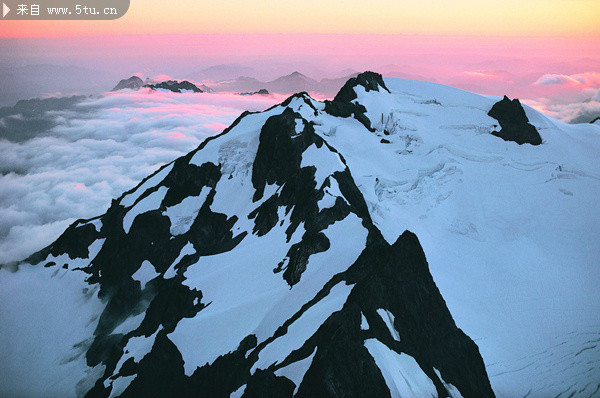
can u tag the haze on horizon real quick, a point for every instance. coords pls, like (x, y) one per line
(544, 52)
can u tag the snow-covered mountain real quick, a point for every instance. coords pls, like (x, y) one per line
(276, 260)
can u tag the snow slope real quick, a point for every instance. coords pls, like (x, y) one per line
(275, 258)
(510, 231)
(48, 317)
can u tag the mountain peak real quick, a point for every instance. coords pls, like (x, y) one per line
(344, 103)
(132, 83)
(371, 81)
(302, 96)
(294, 79)
(175, 86)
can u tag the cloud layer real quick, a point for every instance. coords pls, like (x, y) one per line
(587, 79)
(96, 150)
(573, 98)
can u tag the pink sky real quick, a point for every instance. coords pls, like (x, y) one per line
(512, 47)
(486, 64)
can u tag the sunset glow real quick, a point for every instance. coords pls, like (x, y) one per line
(459, 17)
(534, 50)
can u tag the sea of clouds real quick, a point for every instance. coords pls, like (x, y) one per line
(95, 150)
(571, 98)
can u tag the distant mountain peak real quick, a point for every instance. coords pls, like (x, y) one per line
(295, 76)
(246, 78)
(176, 86)
(132, 83)
(262, 91)
(221, 72)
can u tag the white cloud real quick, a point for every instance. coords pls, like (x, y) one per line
(576, 112)
(586, 79)
(571, 98)
(99, 149)
(554, 79)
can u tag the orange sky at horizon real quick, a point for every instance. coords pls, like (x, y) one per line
(554, 18)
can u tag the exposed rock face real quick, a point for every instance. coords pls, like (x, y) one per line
(176, 87)
(262, 91)
(382, 274)
(252, 265)
(370, 81)
(596, 120)
(514, 123)
(343, 105)
(133, 83)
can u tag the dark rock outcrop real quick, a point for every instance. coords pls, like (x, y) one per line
(278, 161)
(175, 86)
(262, 91)
(371, 81)
(514, 123)
(395, 278)
(343, 105)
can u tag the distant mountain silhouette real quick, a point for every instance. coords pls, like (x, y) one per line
(30, 119)
(175, 86)
(292, 83)
(262, 91)
(222, 72)
(19, 82)
(133, 83)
